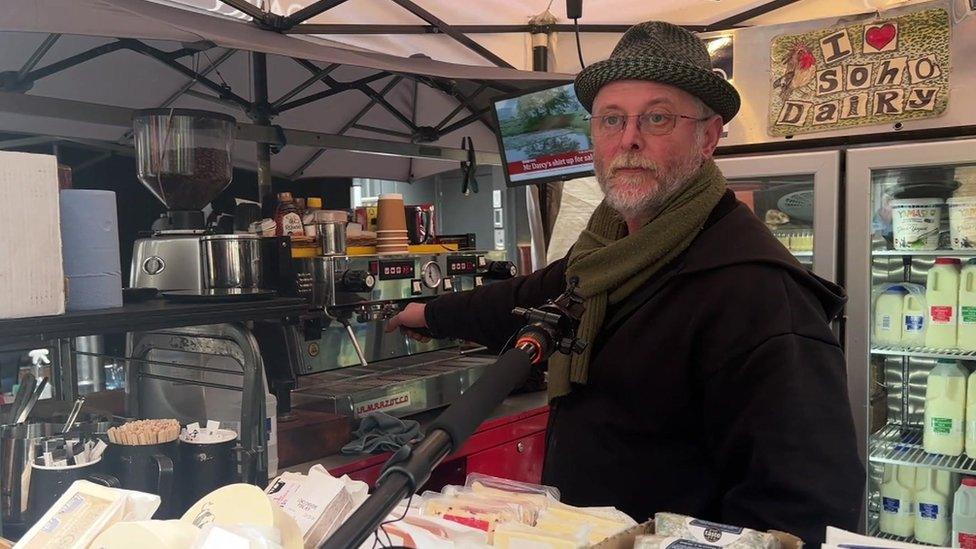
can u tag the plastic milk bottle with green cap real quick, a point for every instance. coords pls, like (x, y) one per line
(945, 408)
(966, 338)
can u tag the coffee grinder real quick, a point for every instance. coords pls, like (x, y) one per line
(184, 159)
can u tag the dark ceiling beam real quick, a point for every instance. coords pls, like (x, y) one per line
(335, 87)
(308, 12)
(349, 124)
(255, 12)
(304, 85)
(38, 54)
(452, 32)
(362, 85)
(763, 9)
(460, 107)
(315, 28)
(224, 92)
(476, 115)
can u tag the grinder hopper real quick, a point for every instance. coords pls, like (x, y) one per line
(184, 159)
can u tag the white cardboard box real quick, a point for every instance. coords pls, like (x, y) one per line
(31, 272)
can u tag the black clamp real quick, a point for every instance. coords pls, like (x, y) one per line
(281, 139)
(469, 184)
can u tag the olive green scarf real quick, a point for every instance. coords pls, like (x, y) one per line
(611, 264)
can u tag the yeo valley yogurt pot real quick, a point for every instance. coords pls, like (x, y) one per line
(962, 222)
(915, 223)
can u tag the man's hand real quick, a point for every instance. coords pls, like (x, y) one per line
(412, 316)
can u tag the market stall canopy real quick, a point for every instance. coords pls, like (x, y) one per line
(76, 68)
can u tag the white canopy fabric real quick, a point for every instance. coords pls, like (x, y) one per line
(130, 79)
(134, 80)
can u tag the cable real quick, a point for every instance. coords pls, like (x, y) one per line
(579, 48)
(389, 540)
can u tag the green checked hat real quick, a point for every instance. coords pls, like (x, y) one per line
(661, 52)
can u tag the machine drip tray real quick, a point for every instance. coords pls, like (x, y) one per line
(399, 387)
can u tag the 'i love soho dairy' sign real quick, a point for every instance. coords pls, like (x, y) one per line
(877, 72)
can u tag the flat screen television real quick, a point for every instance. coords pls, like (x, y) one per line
(543, 135)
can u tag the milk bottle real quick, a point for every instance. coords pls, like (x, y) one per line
(933, 518)
(913, 325)
(942, 299)
(964, 515)
(967, 307)
(888, 316)
(945, 408)
(898, 500)
(971, 416)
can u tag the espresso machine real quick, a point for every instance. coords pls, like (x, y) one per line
(355, 366)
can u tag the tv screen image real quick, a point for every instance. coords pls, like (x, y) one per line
(544, 135)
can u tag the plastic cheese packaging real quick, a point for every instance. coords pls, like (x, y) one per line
(527, 505)
(158, 534)
(515, 535)
(601, 522)
(83, 512)
(711, 533)
(477, 481)
(651, 541)
(244, 504)
(458, 533)
(472, 512)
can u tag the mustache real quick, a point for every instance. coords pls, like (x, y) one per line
(632, 160)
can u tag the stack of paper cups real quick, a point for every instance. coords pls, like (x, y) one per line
(90, 245)
(391, 233)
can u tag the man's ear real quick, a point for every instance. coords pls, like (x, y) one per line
(713, 131)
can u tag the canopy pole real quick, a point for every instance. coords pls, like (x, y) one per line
(261, 114)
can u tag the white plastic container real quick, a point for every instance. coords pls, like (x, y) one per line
(970, 445)
(933, 514)
(966, 332)
(898, 500)
(964, 514)
(945, 408)
(913, 320)
(915, 223)
(962, 222)
(942, 299)
(888, 316)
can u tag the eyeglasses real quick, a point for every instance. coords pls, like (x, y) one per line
(649, 123)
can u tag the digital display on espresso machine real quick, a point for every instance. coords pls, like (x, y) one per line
(462, 265)
(394, 269)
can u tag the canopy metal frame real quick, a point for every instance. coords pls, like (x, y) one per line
(261, 110)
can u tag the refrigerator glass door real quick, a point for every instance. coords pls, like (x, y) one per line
(796, 195)
(907, 214)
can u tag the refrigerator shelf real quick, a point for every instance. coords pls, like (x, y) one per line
(875, 532)
(923, 352)
(902, 445)
(920, 253)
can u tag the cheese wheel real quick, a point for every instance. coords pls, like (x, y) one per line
(244, 504)
(161, 534)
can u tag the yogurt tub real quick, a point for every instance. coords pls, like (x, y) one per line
(915, 223)
(962, 222)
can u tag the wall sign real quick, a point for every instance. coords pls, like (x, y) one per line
(877, 72)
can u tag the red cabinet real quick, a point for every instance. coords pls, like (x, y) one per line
(511, 447)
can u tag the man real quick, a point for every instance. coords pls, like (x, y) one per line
(712, 385)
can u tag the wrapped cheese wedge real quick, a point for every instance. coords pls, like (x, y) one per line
(478, 480)
(469, 512)
(712, 533)
(514, 535)
(601, 522)
(245, 504)
(161, 534)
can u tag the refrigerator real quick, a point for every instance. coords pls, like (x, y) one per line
(904, 211)
(797, 195)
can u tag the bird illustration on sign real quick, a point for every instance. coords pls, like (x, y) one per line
(801, 67)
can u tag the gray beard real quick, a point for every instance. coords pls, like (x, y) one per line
(626, 197)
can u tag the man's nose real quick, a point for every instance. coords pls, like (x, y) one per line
(631, 138)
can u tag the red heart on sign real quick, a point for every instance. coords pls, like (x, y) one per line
(879, 37)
